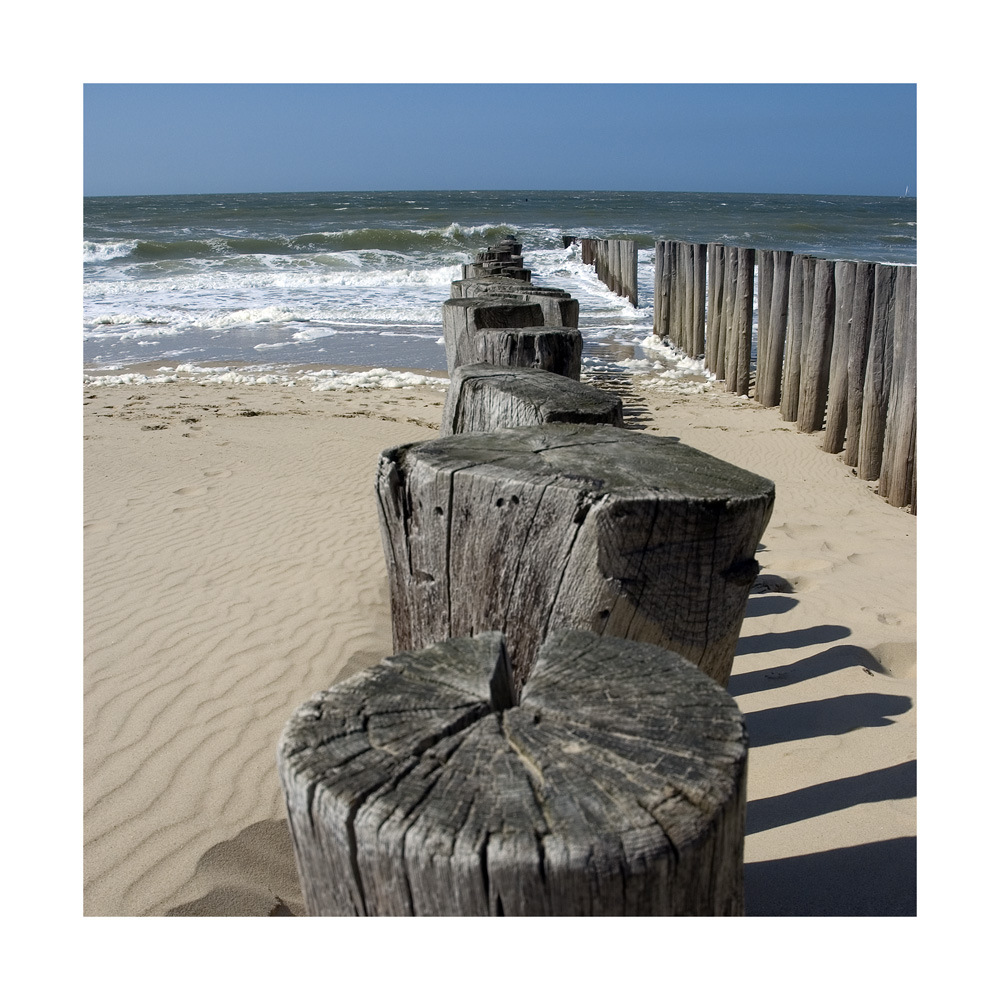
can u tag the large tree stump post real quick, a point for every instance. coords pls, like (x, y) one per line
(878, 373)
(614, 785)
(463, 319)
(815, 377)
(484, 398)
(599, 528)
(559, 308)
(857, 355)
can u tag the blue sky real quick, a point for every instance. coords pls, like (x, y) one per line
(217, 138)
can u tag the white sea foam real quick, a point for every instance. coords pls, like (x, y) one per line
(320, 381)
(94, 252)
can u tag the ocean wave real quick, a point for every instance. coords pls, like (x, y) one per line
(94, 252)
(455, 237)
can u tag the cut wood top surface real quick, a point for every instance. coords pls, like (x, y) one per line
(620, 759)
(595, 459)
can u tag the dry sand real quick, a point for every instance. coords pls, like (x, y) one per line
(233, 567)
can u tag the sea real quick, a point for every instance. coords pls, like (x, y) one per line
(356, 279)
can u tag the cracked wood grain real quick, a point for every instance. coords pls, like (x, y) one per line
(570, 526)
(614, 784)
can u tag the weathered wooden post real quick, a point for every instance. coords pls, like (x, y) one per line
(613, 784)
(897, 477)
(700, 261)
(791, 368)
(878, 374)
(727, 329)
(836, 406)
(676, 324)
(463, 319)
(559, 308)
(769, 390)
(716, 296)
(630, 267)
(686, 274)
(563, 525)
(815, 376)
(739, 379)
(659, 255)
(486, 397)
(765, 284)
(857, 357)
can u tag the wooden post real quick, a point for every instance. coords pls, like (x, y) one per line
(559, 308)
(857, 357)
(700, 255)
(808, 287)
(462, 319)
(631, 266)
(486, 397)
(658, 258)
(726, 361)
(557, 349)
(687, 285)
(676, 295)
(769, 391)
(739, 379)
(836, 407)
(897, 477)
(573, 526)
(793, 342)
(716, 299)
(815, 378)
(614, 785)
(878, 374)
(765, 285)
(490, 284)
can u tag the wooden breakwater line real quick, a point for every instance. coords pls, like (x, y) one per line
(551, 736)
(616, 263)
(836, 345)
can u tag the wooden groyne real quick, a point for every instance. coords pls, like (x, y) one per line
(836, 345)
(552, 735)
(616, 263)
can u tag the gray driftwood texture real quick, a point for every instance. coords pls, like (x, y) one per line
(463, 319)
(836, 406)
(857, 355)
(559, 308)
(814, 379)
(614, 786)
(878, 373)
(570, 526)
(487, 397)
(897, 476)
(769, 387)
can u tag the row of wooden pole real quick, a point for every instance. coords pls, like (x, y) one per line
(836, 345)
(616, 263)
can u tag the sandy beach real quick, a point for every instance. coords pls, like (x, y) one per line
(233, 568)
